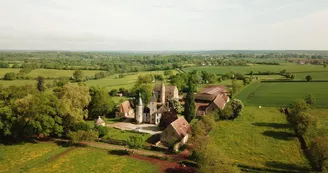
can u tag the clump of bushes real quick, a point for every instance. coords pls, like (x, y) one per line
(232, 110)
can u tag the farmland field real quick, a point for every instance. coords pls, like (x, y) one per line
(112, 82)
(283, 93)
(261, 140)
(41, 157)
(317, 71)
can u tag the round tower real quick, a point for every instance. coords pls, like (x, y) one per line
(139, 110)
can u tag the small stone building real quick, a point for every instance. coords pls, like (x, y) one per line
(176, 134)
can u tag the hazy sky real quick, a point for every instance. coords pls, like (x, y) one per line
(163, 24)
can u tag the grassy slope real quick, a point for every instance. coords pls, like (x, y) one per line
(30, 157)
(22, 156)
(95, 160)
(261, 138)
(111, 82)
(282, 94)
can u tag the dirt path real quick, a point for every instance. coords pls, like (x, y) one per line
(62, 154)
(165, 166)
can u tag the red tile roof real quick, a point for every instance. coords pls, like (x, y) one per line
(181, 126)
(125, 107)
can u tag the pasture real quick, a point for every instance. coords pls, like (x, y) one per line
(260, 140)
(113, 82)
(283, 93)
(49, 157)
(316, 71)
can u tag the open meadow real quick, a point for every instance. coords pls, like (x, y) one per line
(260, 140)
(50, 157)
(301, 71)
(283, 93)
(113, 82)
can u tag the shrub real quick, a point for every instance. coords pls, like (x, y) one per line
(102, 131)
(10, 76)
(135, 141)
(80, 126)
(82, 135)
(319, 153)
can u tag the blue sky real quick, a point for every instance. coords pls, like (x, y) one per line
(163, 25)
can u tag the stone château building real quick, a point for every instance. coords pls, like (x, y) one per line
(158, 104)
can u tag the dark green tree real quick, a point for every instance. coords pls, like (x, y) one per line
(190, 107)
(10, 76)
(308, 78)
(101, 103)
(310, 99)
(78, 76)
(40, 83)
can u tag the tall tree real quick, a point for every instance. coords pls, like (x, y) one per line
(40, 83)
(101, 104)
(73, 101)
(190, 107)
(78, 76)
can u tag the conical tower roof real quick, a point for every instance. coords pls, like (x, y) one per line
(99, 121)
(153, 98)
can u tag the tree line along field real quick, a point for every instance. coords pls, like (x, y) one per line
(283, 93)
(50, 157)
(110, 82)
(48, 73)
(260, 140)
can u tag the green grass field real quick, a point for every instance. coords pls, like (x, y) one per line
(111, 82)
(260, 140)
(317, 71)
(282, 94)
(39, 157)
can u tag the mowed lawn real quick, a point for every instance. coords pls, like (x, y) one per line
(283, 93)
(49, 157)
(260, 140)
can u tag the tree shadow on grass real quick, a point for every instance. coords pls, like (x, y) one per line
(273, 125)
(287, 166)
(63, 143)
(154, 138)
(119, 152)
(280, 135)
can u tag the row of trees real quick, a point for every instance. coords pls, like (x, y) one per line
(298, 115)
